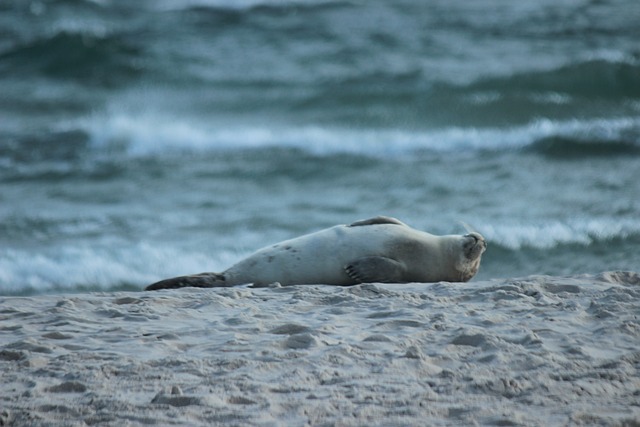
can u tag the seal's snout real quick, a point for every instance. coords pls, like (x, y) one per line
(475, 245)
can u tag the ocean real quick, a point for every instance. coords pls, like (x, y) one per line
(143, 140)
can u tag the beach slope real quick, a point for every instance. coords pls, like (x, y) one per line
(537, 350)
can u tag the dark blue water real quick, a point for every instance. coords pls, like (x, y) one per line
(141, 140)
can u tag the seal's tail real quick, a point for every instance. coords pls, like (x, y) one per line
(202, 280)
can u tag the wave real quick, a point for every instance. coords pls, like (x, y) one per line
(88, 268)
(381, 94)
(97, 148)
(555, 234)
(244, 5)
(153, 135)
(559, 247)
(563, 147)
(610, 78)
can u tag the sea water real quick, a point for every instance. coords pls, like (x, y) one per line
(147, 139)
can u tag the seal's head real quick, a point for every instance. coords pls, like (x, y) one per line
(473, 246)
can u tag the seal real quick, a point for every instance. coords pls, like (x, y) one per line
(380, 249)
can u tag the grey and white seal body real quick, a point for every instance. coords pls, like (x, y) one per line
(379, 249)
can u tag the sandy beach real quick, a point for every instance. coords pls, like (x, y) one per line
(532, 351)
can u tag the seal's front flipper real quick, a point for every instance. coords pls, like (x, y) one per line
(202, 280)
(377, 220)
(376, 269)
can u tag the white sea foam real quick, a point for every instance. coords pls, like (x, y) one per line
(87, 267)
(154, 135)
(550, 234)
(172, 5)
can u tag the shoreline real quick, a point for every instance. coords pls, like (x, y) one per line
(537, 350)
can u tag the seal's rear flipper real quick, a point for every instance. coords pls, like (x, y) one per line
(202, 280)
(376, 269)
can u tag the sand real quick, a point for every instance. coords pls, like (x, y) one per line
(534, 351)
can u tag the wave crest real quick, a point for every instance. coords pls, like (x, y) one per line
(554, 234)
(152, 135)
